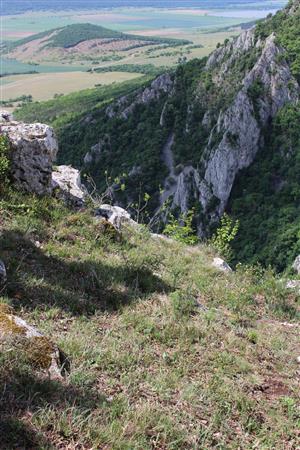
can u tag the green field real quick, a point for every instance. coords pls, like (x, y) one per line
(44, 86)
(11, 66)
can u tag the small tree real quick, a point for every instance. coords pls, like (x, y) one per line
(182, 229)
(224, 235)
(140, 207)
(113, 185)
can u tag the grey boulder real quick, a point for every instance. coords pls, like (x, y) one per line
(117, 216)
(222, 265)
(37, 349)
(67, 182)
(296, 265)
(33, 149)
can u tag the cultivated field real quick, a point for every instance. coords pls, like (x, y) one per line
(64, 70)
(45, 85)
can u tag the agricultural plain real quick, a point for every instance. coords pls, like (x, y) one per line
(44, 86)
(62, 72)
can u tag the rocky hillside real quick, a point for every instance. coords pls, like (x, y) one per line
(192, 134)
(114, 338)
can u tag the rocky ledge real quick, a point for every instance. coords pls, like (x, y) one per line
(33, 149)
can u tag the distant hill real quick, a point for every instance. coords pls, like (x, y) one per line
(81, 41)
(69, 36)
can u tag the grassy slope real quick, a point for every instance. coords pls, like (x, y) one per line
(166, 352)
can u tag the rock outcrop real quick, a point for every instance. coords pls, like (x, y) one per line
(3, 275)
(66, 182)
(33, 149)
(117, 216)
(222, 265)
(238, 129)
(38, 350)
(94, 155)
(296, 265)
(125, 105)
(5, 117)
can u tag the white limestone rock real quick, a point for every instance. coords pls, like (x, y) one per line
(236, 134)
(293, 284)
(33, 151)
(117, 216)
(67, 181)
(222, 265)
(296, 265)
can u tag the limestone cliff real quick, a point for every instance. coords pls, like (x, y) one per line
(239, 128)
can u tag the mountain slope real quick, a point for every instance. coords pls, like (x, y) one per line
(221, 114)
(166, 351)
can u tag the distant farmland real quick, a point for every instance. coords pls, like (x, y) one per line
(45, 86)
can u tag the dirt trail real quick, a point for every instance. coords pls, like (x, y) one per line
(168, 159)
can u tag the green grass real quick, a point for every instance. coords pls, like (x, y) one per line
(166, 351)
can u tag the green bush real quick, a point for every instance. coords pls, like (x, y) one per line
(224, 235)
(4, 161)
(181, 229)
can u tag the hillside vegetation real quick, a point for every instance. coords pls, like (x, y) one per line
(166, 352)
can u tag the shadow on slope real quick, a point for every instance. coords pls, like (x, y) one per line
(36, 279)
(24, 395)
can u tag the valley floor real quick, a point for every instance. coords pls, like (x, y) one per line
(45, 85)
